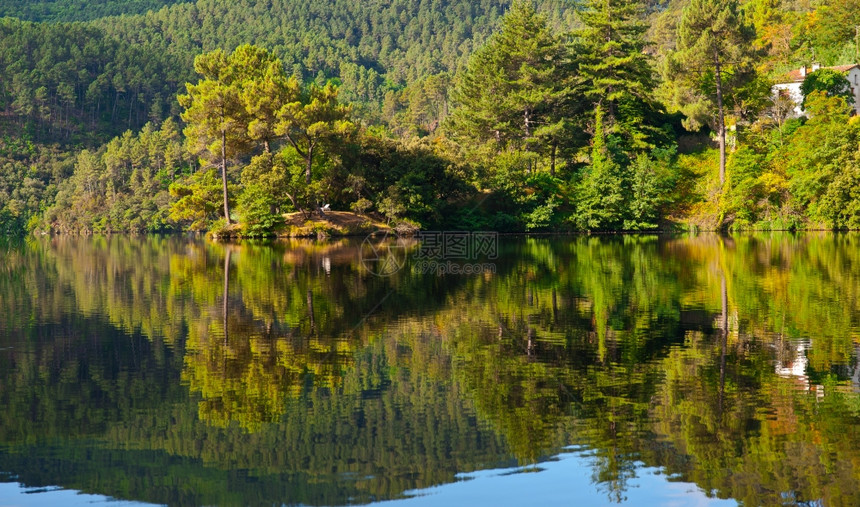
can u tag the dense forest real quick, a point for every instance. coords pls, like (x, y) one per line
(77, 10)
(155, 116)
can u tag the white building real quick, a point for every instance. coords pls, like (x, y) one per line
(790, 88)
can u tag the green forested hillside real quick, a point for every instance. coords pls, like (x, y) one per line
(126, 71)
(78, 85)
(77, 10)
(576, 115)
(75, 85)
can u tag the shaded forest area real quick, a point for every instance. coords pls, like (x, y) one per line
(558, 115)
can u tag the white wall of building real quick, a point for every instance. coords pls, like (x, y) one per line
(793, 92)
(854, 78)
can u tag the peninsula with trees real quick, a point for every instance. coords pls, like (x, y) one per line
(256, 118)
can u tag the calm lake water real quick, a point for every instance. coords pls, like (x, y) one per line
(699, 370)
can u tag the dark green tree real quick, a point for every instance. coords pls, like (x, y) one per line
(601, 197)
(614, 67)
(511, 96)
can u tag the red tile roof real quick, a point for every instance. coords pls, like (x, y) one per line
(794, 76)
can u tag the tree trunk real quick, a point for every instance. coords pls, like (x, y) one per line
(528, 133)
(724, 334)
(224, 175)
(226, 308)
(721, 121)
(115, 102)
(527, 124)
(309, 164)
(293, 200)
(552, 162)
(310, 299)
(530, 345)
(98, 110)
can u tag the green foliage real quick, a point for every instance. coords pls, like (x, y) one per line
(27, 176)
(840, 204)
(256, 208)
(198, 200)
(74, 83)
(712, 72)
(123, 186)
(265, 194)
(77, 10)
(361, 205)
(417, 175)
(542, 215)
(617, 73)
(742, 200)
(246, 102)
(219, 122)
(651, 182)
(373, 49)
(600, 202)
(818, 151)
(714, 57)
(475, 113)
(829, 81)
(392, 205)
(513, 94)
(312, 122)
(828, 31)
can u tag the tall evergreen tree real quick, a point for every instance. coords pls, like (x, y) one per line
(601, 198)
(511, 96)
(217, 121)
(235, 105)
(614, 67)
(309, 121)
(712, 62)
(264, 96)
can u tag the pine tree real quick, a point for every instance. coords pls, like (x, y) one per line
(601, 197)
(512, 94)
(265, 95)
(308, 122)
(216, 117)
(713, 61)
(237, 105)
(614, 67)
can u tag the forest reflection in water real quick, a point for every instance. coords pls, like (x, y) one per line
(175, 370)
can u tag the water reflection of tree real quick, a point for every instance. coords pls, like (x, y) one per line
(568, 353)
(588, 342)
(245, 367)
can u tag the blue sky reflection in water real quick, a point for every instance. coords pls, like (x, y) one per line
(565, 479)
(181, 372)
